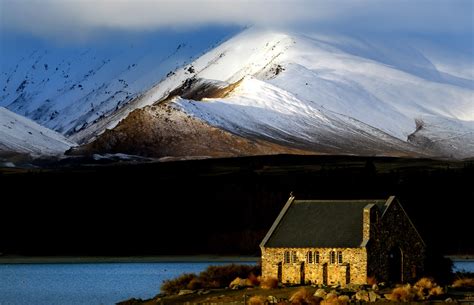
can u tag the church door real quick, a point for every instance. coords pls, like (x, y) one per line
(280, 272)
(348, 274)
(302, 275)
(395, 265)
(325, 274)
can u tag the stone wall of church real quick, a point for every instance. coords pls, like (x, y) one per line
(352, 269)
(392, 234)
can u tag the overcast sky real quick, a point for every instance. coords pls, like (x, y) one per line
(65, 19)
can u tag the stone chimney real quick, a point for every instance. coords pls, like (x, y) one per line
(370, 216)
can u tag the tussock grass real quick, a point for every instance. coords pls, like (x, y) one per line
(435, 291)
(371, 280)
(175, 285)
(212, 277)
(268, 283)
(425, 283)
(333, 299)
(254, 280)
(304, 297)
(464, 283)
(404, 293)
(238, 282)
(194, 284)
(221, 276)
(423, 289)
(257, 300)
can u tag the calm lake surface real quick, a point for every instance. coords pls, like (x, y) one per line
(91, 284)
(463, 265)
(95, 284)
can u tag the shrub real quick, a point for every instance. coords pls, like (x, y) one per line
(195, 284)
(464, 283)
(177, 284)
(435, 291)
(222, 276)
(343, 299)
(333, 299)
(426, 287)
(402, 294)
(320, 293)
(268, 283)
(212, 277)
(254, 280)
(371, 280)
(304, 297)
(240, 283)
(257, 300)
(425, 283)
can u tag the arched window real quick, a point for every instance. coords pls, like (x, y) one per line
(293, 256)
(309, 257)
(332, 257)
(286, 257)
(316, 257)
(339, 257)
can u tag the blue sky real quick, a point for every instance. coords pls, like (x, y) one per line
(85, 20)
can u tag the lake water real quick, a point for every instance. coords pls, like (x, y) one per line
(95, 284)
(91, 284)
(463, 265)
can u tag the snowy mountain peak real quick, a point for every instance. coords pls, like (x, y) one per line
(67, 89)
(322, 93)
(317, 92)
(21, 135)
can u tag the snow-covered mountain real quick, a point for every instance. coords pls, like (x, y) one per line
(68, 88)
(21, 135)
(327, 94)
(300, 92)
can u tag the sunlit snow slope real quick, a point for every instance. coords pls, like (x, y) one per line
(319, 93)
(68, 88)
(21, 135)
(332, 94)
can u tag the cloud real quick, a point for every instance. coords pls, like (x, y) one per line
(82, 18)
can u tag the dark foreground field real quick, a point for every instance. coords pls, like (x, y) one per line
(221, 206)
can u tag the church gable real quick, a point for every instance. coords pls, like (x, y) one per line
(341, 242)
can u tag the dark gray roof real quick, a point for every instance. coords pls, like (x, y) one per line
(317, 223)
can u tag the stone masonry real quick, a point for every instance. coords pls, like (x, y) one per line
(390, 250)
(354, 263)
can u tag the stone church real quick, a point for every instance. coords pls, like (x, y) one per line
(341, 242)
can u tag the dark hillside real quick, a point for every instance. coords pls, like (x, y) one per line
(217, 206)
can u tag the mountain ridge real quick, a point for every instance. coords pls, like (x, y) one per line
(319, 93)
(370, 98)
(19, 135)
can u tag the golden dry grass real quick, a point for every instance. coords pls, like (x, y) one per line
(333, 299)
(425, 283)
(304, 297)
(436, 291)
(268, 282)
(402, 294)
(464, 283)
(371, 280)
(254, 280)
(257, 300)
(239, 282)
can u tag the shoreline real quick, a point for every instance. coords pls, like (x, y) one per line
(126, 259)
(461, 258)
(204, 258)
